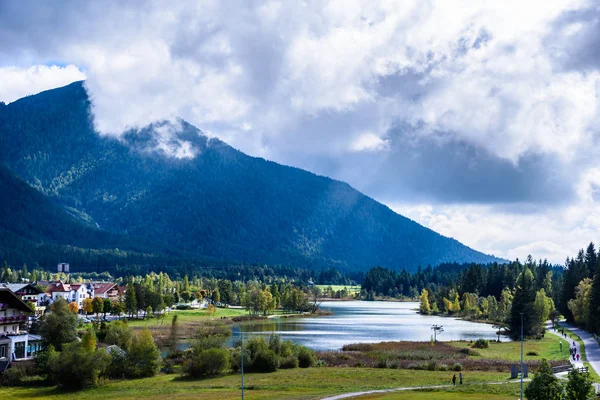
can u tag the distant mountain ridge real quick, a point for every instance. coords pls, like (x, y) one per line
(213, 201)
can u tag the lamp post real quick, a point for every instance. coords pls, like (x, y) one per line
(242, 353)
(521, 356)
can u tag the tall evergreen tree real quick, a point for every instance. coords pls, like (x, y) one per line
(523, 303)
(594, 314)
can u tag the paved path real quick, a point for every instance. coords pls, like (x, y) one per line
(569, 342)
(592, 349)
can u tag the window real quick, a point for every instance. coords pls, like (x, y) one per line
(3, 351)
(20, 350)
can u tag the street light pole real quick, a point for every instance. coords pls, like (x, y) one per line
(242, 349)
(521, 356)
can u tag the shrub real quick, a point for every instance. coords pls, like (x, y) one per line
(208, 362)
(235, 357)
(432, 365)
(442, 367)
(469, 352)
(119, 333)
(11, 377)
(457, 367)
(382, 362)
(255, 345)
(143, 359)
(265, 361)
(481, 344)
(306, 358)
(275, 344)
(289, 362)
(77, 366)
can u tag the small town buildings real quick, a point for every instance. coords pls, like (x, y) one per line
(26, 291)
(106, 290)
(79, 292)
(59, 289)
(15, 343)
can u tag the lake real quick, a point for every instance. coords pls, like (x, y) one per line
(366, 322)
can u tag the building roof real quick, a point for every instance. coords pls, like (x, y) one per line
(17, 287)
(8, 297)
(101, 288)
(58, 287)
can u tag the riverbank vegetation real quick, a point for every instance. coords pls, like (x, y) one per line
(497, 294)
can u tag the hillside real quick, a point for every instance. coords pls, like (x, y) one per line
(220, 204)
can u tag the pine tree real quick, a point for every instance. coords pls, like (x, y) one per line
(130, 299)
(594, 312)
(523, 303)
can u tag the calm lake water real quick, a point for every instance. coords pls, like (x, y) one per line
(366, 322)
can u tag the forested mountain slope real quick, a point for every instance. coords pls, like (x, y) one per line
(220, 204)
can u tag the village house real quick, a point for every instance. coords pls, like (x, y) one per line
(79, 292)
(15, 343)
(106, 290)
(59, 289)
(26, 291)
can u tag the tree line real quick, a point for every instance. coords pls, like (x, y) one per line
(496, 292)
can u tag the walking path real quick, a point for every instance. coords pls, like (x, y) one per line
(592, 349)
(569, 342)
(592, 352)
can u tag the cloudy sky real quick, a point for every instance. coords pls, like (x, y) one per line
(477, 119)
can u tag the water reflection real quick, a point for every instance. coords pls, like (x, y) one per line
(361, 321)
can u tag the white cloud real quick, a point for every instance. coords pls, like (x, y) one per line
(18, 82)
(368, 142)
(319, 84)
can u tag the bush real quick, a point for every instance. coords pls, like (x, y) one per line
(442, 367)
(306, 358)
(255, 345)
(382, 362)
(469, 352)
(143, 358)
(235, 357)
(208, 362)
(289, 362)
(481, 344)
(432, 365)
(77, 366)
(11, 377)
(265, 361)
(457, 367)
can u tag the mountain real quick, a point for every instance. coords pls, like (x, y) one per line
(171, 188)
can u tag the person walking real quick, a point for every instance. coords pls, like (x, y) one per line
(454, 380)
(460, 378)
(578, 357)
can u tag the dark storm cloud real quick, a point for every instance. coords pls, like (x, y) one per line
(420, 169)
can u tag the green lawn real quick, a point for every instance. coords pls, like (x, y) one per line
(488, 392)
(350, 289)
(312, 383)
(185, 316)
(548, 348)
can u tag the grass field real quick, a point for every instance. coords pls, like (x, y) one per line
(488, 392)
(185, 316)
(548, 348)
(349, 288)
(312, 383)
